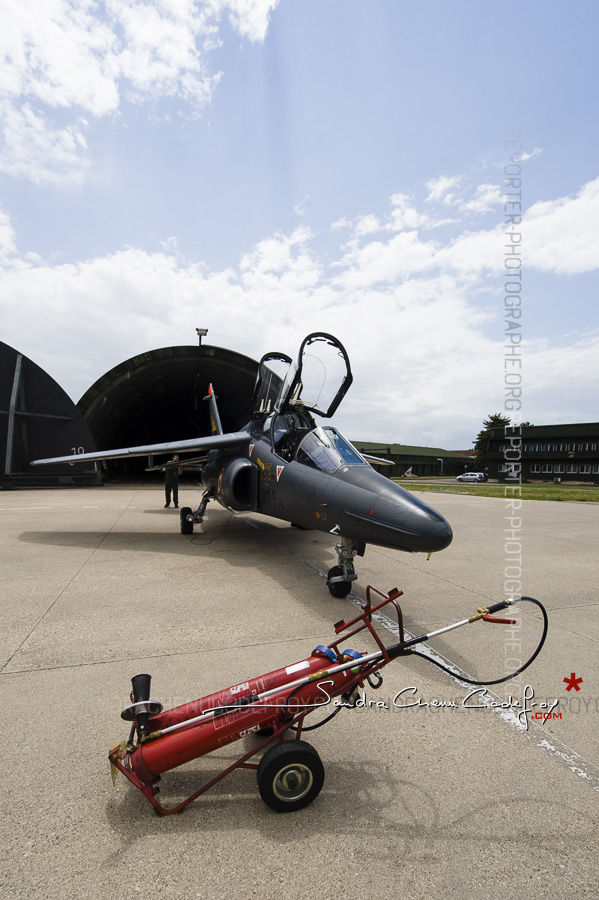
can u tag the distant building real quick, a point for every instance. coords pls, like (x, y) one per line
(418, 461)
(545, 452)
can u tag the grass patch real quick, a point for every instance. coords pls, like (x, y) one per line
(559, 492)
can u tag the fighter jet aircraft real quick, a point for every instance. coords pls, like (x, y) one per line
(285, 465)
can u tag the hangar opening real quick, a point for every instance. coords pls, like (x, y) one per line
(159, 396)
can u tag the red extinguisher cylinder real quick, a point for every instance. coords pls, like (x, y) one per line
(230, 723)
(237, 692)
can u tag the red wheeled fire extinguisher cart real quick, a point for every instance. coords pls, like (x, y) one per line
(290, 772)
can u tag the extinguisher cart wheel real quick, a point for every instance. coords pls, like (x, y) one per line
(290, 776)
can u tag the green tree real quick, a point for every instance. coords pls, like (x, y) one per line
(481, 444)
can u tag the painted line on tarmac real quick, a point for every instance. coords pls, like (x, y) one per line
(577, 764)
(33, 508)
(557, 750)
(21, 508)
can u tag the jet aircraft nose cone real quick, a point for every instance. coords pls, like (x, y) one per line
(422, 528)
(437, 534)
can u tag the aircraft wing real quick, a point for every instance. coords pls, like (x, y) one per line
(183, 463)
(213, 442)
(377, 460)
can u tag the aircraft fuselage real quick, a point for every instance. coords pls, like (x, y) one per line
(352, 501)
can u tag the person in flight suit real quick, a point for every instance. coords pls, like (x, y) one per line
(172, 471)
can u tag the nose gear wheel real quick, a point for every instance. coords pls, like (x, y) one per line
(340, 577)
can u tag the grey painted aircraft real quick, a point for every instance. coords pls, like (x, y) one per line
(283, 464)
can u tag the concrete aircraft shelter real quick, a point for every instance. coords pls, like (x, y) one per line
(38, 419)
(159, 396)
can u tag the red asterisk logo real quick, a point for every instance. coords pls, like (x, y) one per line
(573, 682)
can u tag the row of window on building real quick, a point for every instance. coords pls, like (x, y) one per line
(557, 468)
(553, 448)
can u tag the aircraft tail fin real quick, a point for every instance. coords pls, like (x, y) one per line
(215, 425)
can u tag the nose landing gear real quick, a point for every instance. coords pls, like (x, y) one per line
(189, 518)
(340, 577)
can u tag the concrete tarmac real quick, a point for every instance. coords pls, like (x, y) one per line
(455, 795)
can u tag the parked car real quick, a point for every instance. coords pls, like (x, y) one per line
(471, 476)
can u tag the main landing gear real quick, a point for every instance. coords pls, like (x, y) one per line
(341, 576)
(189, 518)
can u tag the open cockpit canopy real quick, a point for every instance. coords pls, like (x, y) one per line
(272, 369)
(316, 382)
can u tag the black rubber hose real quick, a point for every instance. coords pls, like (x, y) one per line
(506, 677)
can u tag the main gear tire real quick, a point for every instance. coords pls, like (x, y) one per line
(186, 525)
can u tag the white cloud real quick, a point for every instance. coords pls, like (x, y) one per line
(404, 215)
(379, 261)
(421, 320)
(455, 191)
(474, 252)
(250, 17)
(441, 189)
(278, 255)
(11, 260)
(161, 52)
(487, 197)
(527, 156)
(33, 149)
(341, 224)
(299, 208)
(65, 59)
(8, 240)
(367, 225)
(562, 235)
(58, 53)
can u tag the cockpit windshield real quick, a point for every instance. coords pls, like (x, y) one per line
(348, 454)
(326, 449)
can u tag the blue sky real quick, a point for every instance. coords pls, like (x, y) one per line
(266, 169)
